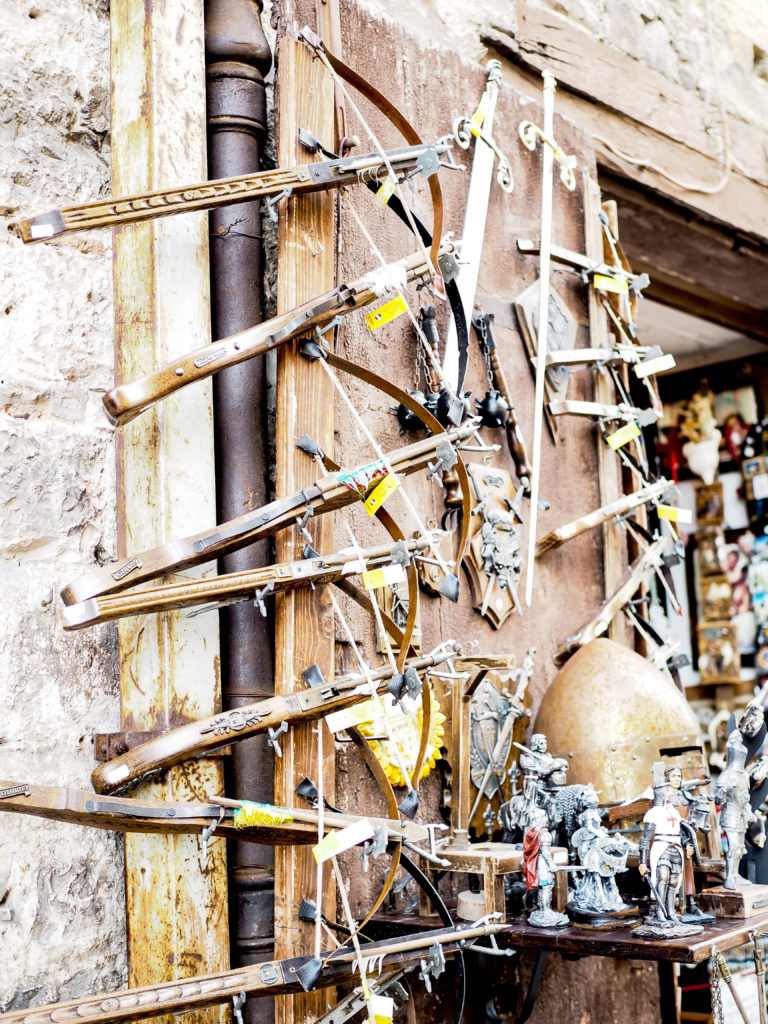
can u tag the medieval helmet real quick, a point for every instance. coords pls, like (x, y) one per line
(612, 714)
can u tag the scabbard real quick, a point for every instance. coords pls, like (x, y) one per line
(210, 195)
(325, 495)
(198, 739)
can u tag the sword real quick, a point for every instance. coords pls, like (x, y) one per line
(529, 134)
(476, 211)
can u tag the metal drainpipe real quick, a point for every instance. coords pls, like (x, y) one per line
(237, 58)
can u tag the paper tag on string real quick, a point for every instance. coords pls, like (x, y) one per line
(360, 714)
(381, 1009)
(337, 842)
(657, 365)
(380, 493)
(385, 190)
(674, 515)
(394, 308)
(604, 283)
(438, 286)
(623, 435)
(387, 576)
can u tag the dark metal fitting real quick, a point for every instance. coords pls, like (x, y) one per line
(313, 676)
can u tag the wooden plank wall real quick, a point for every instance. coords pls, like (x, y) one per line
(432, 87)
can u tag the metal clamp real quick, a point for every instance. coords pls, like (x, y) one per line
(433, 967)
(205, 835)
(271, 204)
(258, 597)
(238, 1002)
(301, 524)
(272, 735)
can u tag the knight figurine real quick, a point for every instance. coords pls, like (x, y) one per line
(595, 900)
(665, 844)
(539, 872)
(736, 814)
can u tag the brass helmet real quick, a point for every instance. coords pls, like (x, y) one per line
(612, 714)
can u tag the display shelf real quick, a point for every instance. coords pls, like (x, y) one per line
(725, 934)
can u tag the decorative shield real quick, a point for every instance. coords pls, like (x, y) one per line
(493, 560)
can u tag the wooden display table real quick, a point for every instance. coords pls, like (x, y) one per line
(491, 861)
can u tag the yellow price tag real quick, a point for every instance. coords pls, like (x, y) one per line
(385, 313)
(609, 284)
(380, 493)
(386, 576)
(623, 435)
(674, 515)
(360, 714)
(337, 842)
(478, 117)
(385, 190)
(382, 1009)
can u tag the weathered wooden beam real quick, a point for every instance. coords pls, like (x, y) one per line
(176, 908)
(656, 119)
(304, 628)
(694, 265)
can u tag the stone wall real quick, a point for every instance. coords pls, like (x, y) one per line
(668, 36)
(61, 887)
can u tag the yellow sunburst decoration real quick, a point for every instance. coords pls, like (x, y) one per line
(404, 730)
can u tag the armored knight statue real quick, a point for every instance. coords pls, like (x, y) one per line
(539, 872)
(694, 814)
(544, 777)
(664, 846)
(595, 899)
(736, 814)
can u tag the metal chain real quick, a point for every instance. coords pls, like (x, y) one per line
(716, 976)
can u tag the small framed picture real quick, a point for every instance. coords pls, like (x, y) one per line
(710, 544)
(716, 598)
(719, 659)
(709, 504)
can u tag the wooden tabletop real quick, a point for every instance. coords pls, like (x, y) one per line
(725, 933)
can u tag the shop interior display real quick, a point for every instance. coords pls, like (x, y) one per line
(621, 818)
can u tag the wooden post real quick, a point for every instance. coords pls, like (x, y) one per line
(608, 466)
(304, 628)
(176, 906)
